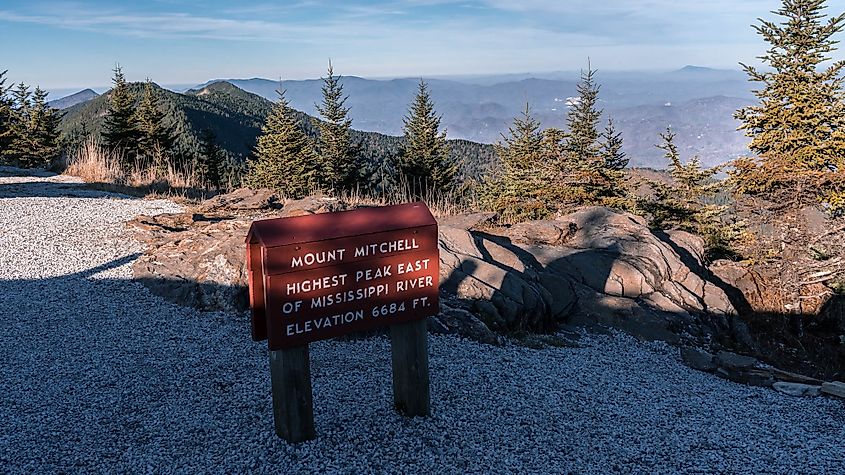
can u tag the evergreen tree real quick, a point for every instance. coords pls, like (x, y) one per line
(582, 122)
(119, 127)
(210, 166)
(284, 157)
(338, 167)
(610, 176)
(6, 116)
(424, 159)
(43, 131)
(798, 127)
(155, 143)
(589, 163)
(519, 193)
(20, 137)
(610, 148)
(686, 201)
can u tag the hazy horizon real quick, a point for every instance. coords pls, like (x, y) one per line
(59, 92)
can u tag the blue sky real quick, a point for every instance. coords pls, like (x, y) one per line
(74, 44)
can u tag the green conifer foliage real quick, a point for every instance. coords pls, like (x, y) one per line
(610, 176)
(424, 159)
(43, 132)
(119, 128)
(155, 142)
(6, 116)
(582, 122)
(284, 157)
(801, 113)
(32, 127)
(338, 167)
(519, 193)
(19, 136)
(589, 164)
(686, 202)
(610, 149)
(798, 127)
(210, 164)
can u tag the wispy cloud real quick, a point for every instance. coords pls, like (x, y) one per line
(357, 25)
(611, 21)
(164, 26)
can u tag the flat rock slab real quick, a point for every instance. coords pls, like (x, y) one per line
(726, 359)
(797, 389)
(835, 388)
(698, 359)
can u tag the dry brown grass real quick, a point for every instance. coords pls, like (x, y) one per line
(95, 164)
(440, 204)
(101, 167)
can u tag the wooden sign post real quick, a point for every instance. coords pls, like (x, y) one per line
(321, 276)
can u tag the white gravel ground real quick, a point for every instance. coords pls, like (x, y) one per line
(97, 375)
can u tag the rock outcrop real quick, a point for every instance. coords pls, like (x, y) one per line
(198, 259)
(592, 267)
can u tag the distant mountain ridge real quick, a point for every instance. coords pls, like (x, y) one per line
(698, 103)
(84, 95)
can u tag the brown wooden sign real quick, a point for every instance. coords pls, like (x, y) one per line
(320, 276)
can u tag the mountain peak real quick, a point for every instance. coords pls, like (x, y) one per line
(84, 95)
(694, 69)
(219, 86)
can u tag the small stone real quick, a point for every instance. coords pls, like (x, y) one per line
(835, 388)
(698, 359)
(748, 376)
(729, 360)
(243, 199)
(311, 205)
(797, 389)
(467, 222)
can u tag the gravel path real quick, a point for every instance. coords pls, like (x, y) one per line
(97, 375)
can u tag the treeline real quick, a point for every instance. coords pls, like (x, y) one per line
(141, 136)
(29, 127)
(287, 159)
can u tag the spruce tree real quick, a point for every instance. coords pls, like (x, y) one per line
(210, 165)
(20, 137)
(155, 143)
(582, 122)
(6, 116)
(119, 127)
(798, 127)
(612, 162)
(424, 159)
(610, 148)
(590, 163)
(519, 193)
(284, 157)
(43, 130)
(686, 201)
(338, 167)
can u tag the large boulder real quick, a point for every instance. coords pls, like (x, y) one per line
(202, 267)
(594, 266)
(242, 200)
